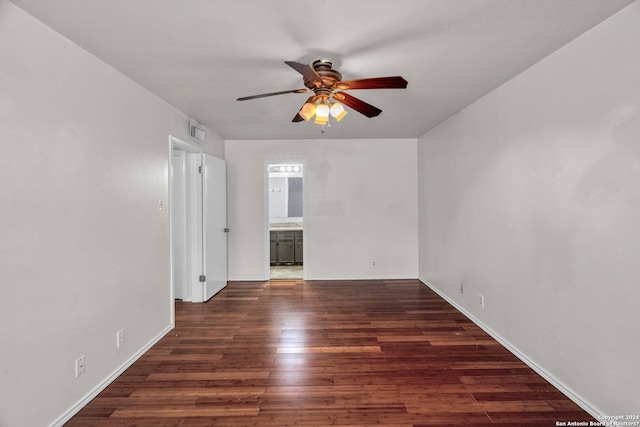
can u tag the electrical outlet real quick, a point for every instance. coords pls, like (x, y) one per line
(79, 366)
(373, 263)
(481, 300)
(461, 288)
(120, 338)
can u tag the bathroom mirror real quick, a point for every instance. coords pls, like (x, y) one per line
(285, 192)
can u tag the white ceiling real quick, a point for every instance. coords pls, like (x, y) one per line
(200, 55)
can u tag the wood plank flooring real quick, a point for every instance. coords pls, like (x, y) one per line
(346, 353)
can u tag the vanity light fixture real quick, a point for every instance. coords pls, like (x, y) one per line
(284, 168)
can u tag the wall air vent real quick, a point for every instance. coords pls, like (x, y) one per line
(196, 132)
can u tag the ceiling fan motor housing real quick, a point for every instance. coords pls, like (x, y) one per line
(328, 75)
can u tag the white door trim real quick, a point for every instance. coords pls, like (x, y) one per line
(178, 228)
(192, 247)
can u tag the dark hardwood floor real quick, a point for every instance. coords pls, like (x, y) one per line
(349, 353)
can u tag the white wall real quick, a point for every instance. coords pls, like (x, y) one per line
(361, 205)
(531, 197)
(84, 249)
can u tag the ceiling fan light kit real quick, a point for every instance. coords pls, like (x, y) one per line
(308, 110)
(326, 84)
(338, 111)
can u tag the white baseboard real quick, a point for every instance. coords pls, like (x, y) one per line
(576, 398)
(394, 277)
(104, 383)
(261, 279)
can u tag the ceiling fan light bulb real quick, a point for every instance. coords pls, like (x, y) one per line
(307, 111)
(338, 111)
(322, 111)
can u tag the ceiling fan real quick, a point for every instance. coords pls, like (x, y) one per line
(326, 84)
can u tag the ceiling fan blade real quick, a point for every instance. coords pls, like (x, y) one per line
(357, 104)
(298, 117)
(307, 72)
(393, 82)
(263, 95)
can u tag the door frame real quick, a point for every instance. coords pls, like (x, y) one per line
(267, 237)
(192, 154)
(178, 228)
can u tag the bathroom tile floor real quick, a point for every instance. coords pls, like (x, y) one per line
(286, 272)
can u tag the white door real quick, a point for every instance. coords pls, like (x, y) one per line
(214, 225)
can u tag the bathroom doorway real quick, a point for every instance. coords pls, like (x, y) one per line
(286, 220)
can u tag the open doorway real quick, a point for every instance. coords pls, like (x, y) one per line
(197, 222)
(185, 206)
(286, 220)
